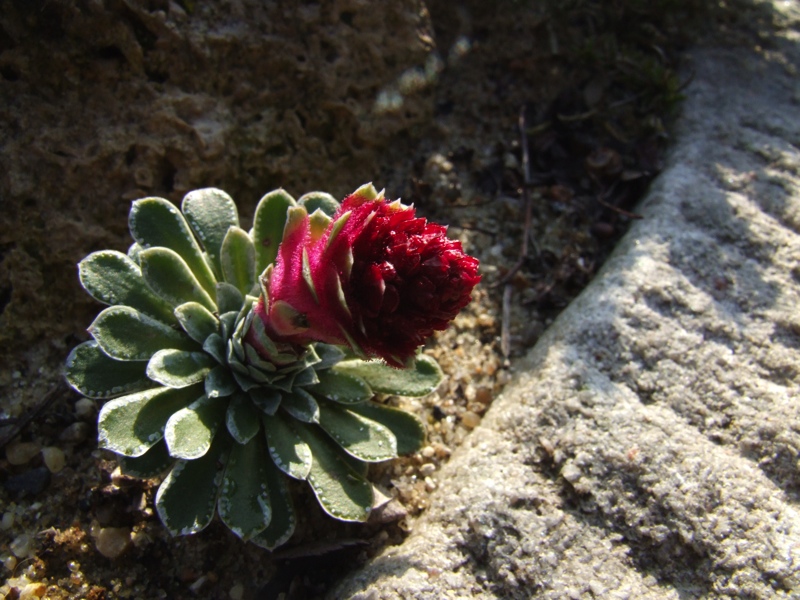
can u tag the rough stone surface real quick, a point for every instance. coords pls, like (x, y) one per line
(648, 444)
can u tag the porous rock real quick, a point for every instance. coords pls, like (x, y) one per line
(647, 446)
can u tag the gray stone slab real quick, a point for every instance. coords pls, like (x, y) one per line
(648, 445)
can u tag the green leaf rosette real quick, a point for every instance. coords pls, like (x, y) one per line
(187, 398)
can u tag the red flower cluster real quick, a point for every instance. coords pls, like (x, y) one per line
(376, 278)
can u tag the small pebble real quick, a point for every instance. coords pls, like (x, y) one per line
(470, 419)
(85, 409)
(112, 542)
(33, 590)
(485, 320)
(237, 591)
(19, 453)
(427, 469)
(428, 451)
(7, 521)
(29, 483)
(430, 484)
(483, 395)
(54, 458)
(199, 583)
(22, 546)
(75, 433)
(571, 472)
(9, 562)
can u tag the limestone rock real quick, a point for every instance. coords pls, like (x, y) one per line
(648, 444)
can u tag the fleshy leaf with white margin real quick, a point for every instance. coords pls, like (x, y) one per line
(210, 212)
(423, 378)
(341, 387)
(407, 428)
(229, 298)
(301, 405)
(170, 277)
(113, 278)
(95, 374)
(319, 200)
(186, 500)
(242, 418)
(265, 398)
(126, 334)
(363, 438)
(328, 355)
(220, 383)
(244, 502)
(282, 523)
(155, 222)
(290, 453)
(189, 431)
(238, 260)
(197, 321)
(179, 368)
(153, 463)
(131, 424)
(342, 492)
(268, 224)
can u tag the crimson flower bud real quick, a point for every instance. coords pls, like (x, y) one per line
(374, 277)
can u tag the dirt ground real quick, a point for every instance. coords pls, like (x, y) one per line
(530, 128)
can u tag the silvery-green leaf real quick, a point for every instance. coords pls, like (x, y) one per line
(157, 222)
(365, 439)
(93, 373)
(170, 277)
(113, 278)
(258, 376)
(131, 424)
(197, 321)
(268, 224)
(179, 368)
(133, 252)
(126, 334)
(190, 430)
(220, 383)
(187, 499)
(238, 260)
(152, 463)
(309, 358)
(341, 387)
(242, 418)
(210, 212)
(407, 428)
(289, 452)
(422, 379)
(265, 398)
(360, 467)
(229, 298)
(319, 200)
(227, 322)
(341, 491)
(215, 346)
(301, 405)
(329, 355)
(282, 523)
(244, 502)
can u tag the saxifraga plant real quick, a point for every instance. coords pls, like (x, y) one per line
(232, 360)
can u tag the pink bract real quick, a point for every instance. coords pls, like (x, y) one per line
(378, 279)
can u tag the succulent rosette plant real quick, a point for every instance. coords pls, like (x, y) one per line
(233, 361)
